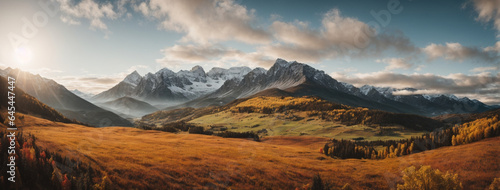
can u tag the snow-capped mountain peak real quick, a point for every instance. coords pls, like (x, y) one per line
(259, 70)
(434, 96)
(133, 78)
(198, 71)
(168, 85)
(218, 73)
(165, 72)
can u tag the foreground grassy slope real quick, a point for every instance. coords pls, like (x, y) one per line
(135, 158)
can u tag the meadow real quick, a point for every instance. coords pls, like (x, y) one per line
(134, 158)
(299, 124)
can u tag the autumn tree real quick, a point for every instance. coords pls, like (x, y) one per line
(66, 183)
(426, 178)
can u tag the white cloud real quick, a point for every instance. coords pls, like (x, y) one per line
(69, 20)
(483, 86)
(395, 63)
(178, 55)
(207, 21)
(484, 69)
(336, 37)
(457, 52)
(488, 10)
(495, 48)
(142, 8)
(335, 31)
(88, 9)
(95, 84)
(89, 84)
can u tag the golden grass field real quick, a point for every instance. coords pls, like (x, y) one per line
(141, 159)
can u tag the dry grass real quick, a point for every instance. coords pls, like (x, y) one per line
(151, 159)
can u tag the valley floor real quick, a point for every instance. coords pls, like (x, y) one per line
(141, 159)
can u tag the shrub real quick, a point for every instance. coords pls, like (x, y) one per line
(196, 130)
(317, 183)
(230, 134)
(169, 129)
(144, 126)
(495, 185)
(427, 178)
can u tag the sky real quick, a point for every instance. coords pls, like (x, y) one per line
(448, 46)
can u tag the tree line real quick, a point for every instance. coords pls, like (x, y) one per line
(460, 134)
(183, 126)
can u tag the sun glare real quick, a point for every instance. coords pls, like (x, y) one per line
(23, 55)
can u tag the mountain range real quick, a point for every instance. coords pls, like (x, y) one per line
(167, 88)
(195, 88)
(297, 79)
(138, 95)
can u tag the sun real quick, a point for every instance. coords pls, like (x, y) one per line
(23, 55)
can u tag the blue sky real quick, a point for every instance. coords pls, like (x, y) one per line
(436, 46)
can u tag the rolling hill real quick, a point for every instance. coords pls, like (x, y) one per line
(129, 106)
(296, 116)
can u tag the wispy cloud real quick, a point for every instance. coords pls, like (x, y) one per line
(338, 36)
(457, 52)
(484, 69)
(91, 10)
(95, 84)
(88, 84)
(217, 54)
(69, 20)
(395, 63)
(488, 10)
(495, 48)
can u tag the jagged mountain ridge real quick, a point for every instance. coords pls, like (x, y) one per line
(297, 79)
(166, 86)
(435, 104)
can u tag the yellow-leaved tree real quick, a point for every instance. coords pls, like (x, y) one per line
(427, 179)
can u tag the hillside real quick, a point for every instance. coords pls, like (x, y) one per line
(466, 117)
(61, 99)
(140, 159)
(28, 104)
(295, 116)
(129, 106)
